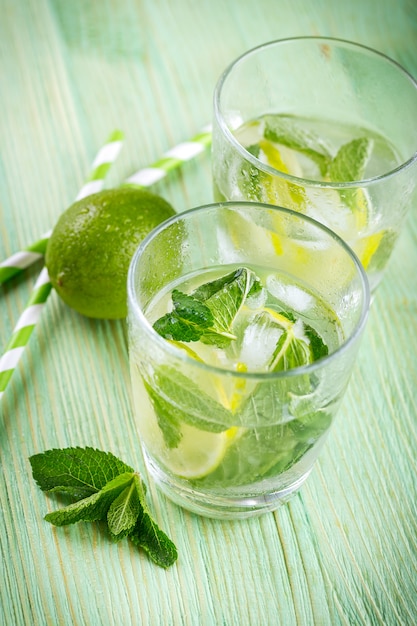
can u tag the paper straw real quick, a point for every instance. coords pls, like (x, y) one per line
(172, 159)
(28, 319)
(24, 329)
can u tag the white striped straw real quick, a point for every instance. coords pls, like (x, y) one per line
(28, 319)
(172, 159)
(24, 328)
(143, 178)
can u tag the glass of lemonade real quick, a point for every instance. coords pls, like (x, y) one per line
(324, 127)
(244, 321)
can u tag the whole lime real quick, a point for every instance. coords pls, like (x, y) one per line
(89, 251)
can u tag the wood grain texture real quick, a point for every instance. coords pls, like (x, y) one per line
(344, 551)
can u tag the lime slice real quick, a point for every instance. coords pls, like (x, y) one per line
(199, 452)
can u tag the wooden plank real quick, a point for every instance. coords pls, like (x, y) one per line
(344, 550)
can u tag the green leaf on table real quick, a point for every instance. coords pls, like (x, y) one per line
(124, 511)
(287, 131)
(92, 508)
(115, 493)
(76, 471)
(149, 536)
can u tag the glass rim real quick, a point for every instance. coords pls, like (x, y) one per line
(181, 355)
(366, 182)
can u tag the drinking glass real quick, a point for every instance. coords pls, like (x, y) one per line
(325, 127)
(223, 436)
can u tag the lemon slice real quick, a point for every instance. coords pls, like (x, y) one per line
(185, 348)
(199, 452)
(372, 243)
(280, 191)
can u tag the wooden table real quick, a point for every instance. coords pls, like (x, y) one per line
(344, 551)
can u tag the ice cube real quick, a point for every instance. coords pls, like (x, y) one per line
(259, 340)
(257, 300)
(290, 295)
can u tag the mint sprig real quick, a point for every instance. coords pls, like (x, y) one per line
(285, 130)
(207, 314)
(105, 489)
(188, 321)
(349, 165)
(350, 161)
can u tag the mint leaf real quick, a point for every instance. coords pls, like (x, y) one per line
(167, 417)
(226, 302)
(207, 314)
(349, 165)
(180, 399)
(149, 536)
(92, 508)
(297, 346)
(77, 471)
(248, 177)
(268, 451)
(257, 454)
(89, 509)
(120, 500)
(290, 353)
(124, 511)
(318, 348)
(210, 289)
(285, 130)
(187, 322)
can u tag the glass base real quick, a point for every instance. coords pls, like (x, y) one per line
(220, 506)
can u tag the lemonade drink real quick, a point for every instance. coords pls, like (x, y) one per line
(221, 432)
(305, 150)
(325, 127)
(239, 354)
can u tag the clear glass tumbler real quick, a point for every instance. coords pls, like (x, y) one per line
(325, 127)
(232, 423)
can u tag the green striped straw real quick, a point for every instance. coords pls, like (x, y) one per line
(24, 328)
(172, 159)
(27, 321)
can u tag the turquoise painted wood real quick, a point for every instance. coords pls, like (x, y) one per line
(343, 551)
